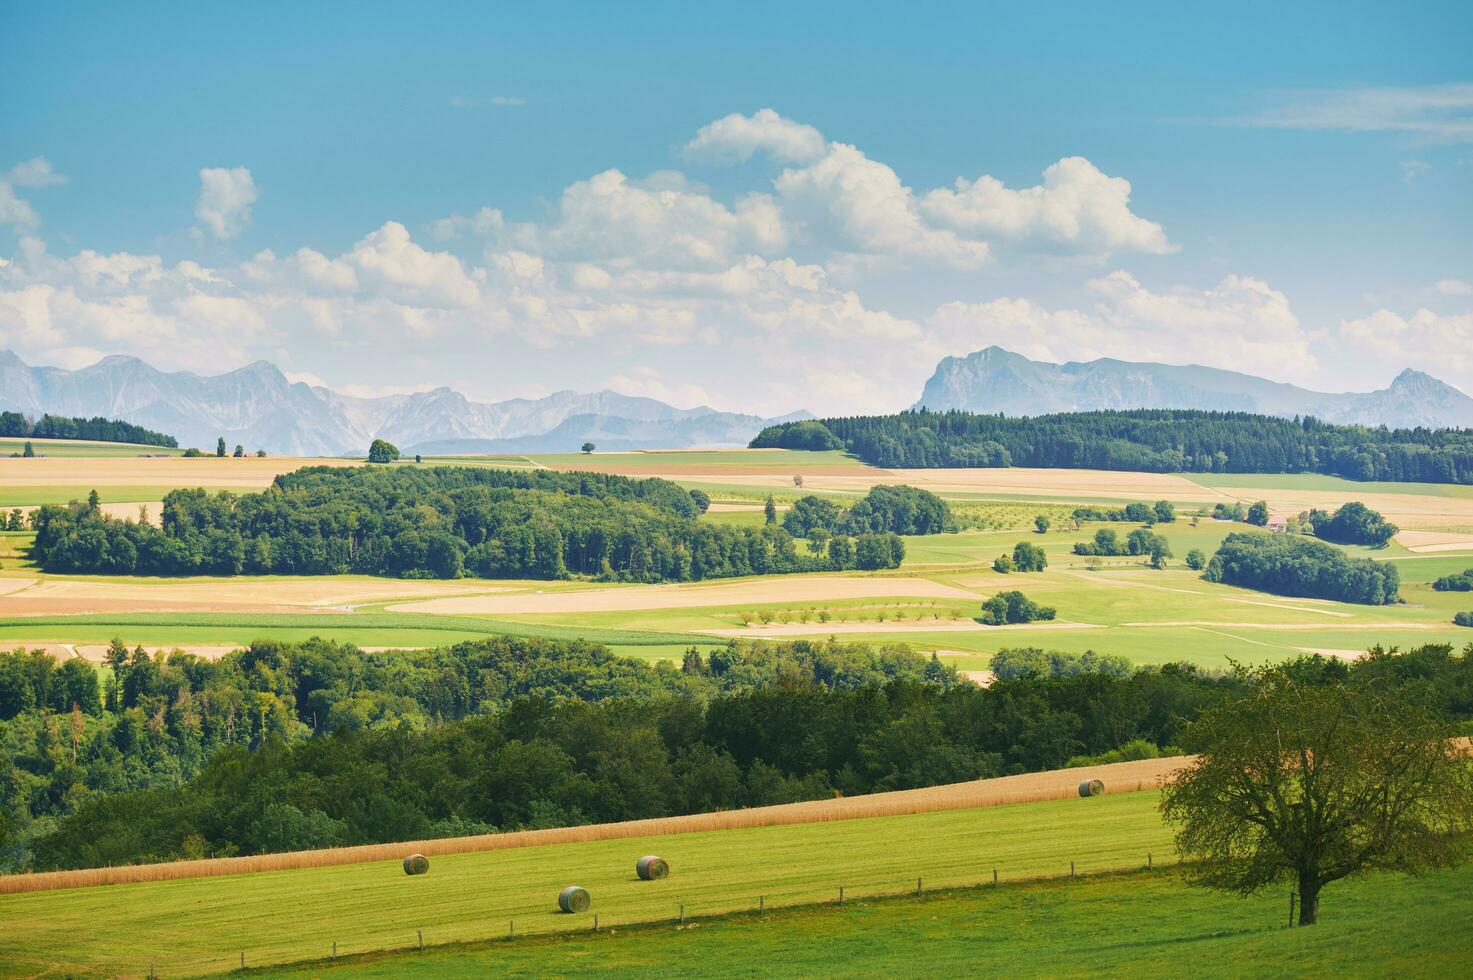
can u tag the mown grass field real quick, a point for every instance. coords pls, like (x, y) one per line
(82, 448)
(203, 925)
(1143, 924)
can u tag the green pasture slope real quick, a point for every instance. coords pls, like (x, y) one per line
(81, 448)
(1144, 924)
(204, 924)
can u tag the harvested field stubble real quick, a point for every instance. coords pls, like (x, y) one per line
(1120, 777)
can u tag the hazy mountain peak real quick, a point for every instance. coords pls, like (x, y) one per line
(258, 407)
(997, 380)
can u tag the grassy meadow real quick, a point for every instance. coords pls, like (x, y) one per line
(474, 896)
(1140, 923)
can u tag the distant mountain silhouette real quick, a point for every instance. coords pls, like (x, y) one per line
(256, 406)
(996, 380)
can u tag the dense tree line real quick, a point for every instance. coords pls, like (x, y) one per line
(1161, 512)
(17, 426)
(1457, 582)
(453, 521)
(160, 719)
(545, 762)
(884, 509)
(1352, 523)
(1150, 440)
(1288, 565)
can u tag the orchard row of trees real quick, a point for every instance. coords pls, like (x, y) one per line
(448, 522)
(1149, 440)
(14, 425)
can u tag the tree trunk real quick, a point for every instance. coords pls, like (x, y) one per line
(1309, 901)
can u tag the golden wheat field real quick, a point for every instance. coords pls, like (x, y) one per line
(1119, 777)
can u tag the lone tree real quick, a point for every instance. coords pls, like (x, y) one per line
(1310, 781)
(1258, 514)
(1042, 523)
(382, 451)
(29, 451)
(588, 448)
(220, 447)
(769, 511)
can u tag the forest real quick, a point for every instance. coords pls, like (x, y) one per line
(454, 521)
(17, 426)
(1147, 440)
(1286, 564)
(689, 741)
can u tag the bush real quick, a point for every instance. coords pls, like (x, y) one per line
(1029, 557)
(1459, 582)
(1003, 564)
(1196, 559)
(1007, 608)
(1463, 619)
(1353, 523)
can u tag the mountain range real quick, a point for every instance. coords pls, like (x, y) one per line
(995, 380)
(259, 408)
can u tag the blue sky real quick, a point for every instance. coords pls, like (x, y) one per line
(1308, 172)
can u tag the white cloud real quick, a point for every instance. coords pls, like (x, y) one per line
(1241, 324)
(1412, 169)
(1440, 345)
(735, 138)
(225, 198)
(1076, 208)
(1453, 287)
(34, 173)
(645, 382)
(1428, 113)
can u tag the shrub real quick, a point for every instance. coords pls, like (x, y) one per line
(1007, 608)
(1459, 582)
(1463, 619)
(1196, 559)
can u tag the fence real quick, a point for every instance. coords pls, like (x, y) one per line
(541, 920)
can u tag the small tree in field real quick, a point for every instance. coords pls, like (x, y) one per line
(769, 511)
(220, 447)
(1311, 781)
(382, 451)
(588, 448)
(1042, 523)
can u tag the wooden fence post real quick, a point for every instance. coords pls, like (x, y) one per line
(918, 886)
(841, 894)
(421, 939)
(682, 913)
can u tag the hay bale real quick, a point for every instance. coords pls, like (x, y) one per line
(416, 864)
(652, 868)
(1091, 787)
(574, 899)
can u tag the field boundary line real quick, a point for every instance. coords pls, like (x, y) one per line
(1119, 777)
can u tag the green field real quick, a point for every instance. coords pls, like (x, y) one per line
(783, 460)
(1144, 924)
(60, 494)
(84, 449)
(204, 924)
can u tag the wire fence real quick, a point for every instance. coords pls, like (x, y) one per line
(686, 905)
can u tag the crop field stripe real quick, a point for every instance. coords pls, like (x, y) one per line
(1120, 777)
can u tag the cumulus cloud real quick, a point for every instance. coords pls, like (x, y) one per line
(1453, 287)
(840, 198)
(1241, 323)
(1440, 345)
(32, 174)
(735, 138)
(225, 198)
(1077, 207)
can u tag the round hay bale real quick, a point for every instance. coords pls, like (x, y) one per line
(652, 868)
(1091, 787)
(416, 864)
(574, 899)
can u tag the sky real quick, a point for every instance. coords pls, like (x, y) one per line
(758, 207)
